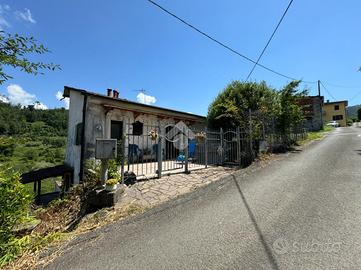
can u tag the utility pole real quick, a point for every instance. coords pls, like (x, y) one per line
(319, 87)
(321, 101)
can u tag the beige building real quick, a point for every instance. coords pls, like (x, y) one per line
(335, 111)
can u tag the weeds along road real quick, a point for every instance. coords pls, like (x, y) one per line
(300, 212)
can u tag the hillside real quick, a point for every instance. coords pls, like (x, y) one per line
(31, 138)
(352, 111)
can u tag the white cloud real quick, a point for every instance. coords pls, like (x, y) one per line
(3, 21)
(17, 95)
(40, 106)
(4, 8)
(59, 96)
(145, 99)
(4, 99)
(25, 15)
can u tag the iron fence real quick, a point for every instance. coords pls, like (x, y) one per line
(153, 151)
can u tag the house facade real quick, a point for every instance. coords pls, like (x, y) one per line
(335, 111)
(312, 110)
(94, 116)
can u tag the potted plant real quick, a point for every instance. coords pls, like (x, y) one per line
(111, 184)
(153, 134)
(201, 136)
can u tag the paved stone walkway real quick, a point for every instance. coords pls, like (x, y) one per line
(156, 191)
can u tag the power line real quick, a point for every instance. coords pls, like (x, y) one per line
(327, 91)
(355, 96)
(341, 86)
(221, 43)
(270, 39)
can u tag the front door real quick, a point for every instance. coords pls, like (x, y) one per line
(116, 130)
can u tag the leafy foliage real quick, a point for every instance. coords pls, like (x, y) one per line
(359, 114)
(17, 120)
(233, 105)
(230, 108)
(289, 114)
(30, 139)
(111, 182)
(14, 205)
(351, 111)
(14, 50)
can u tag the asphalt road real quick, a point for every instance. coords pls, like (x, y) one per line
(301, 212)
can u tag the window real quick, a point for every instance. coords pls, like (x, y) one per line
(137, 128)
(337, 107)
(116, 130)
(337, 117)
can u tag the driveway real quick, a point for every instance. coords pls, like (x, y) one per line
(300, 212)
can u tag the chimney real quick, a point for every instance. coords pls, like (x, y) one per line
(109, 92)
(115, 94)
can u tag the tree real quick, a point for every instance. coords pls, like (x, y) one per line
(14, 50)
(231, 107)
(289, 114)
(359, 114)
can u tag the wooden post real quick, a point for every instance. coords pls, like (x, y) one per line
(185, 144)
(250, 133)
(34, 187)
(39, 191)
(124, 137)
(103, 171)
(239, 147)
(206, 148)
(159, 151)
(221, 137)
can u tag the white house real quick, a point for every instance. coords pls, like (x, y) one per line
(93, 116)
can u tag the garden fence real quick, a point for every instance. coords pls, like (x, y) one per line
(155, 151)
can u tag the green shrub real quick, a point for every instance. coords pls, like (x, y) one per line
(14, 205)
(31, 154)
(7, 146)
(111, 182)
(55, 141)
(113, 171)
(30, 242)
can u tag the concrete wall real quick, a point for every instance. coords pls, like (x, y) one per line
(72, 155)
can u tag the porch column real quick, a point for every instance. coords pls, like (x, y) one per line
(104, 162)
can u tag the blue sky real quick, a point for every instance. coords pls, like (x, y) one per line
(130, 44)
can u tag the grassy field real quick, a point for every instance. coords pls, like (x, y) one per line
(24, 154)
(317, 135)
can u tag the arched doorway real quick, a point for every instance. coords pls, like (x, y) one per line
(171, 152)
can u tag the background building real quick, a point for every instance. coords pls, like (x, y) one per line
(335, 111)
(312, 109)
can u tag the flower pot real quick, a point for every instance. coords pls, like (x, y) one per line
(201, 139)
(110, 188)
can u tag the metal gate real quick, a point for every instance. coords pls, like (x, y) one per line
(141, 150)
(151, 151)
